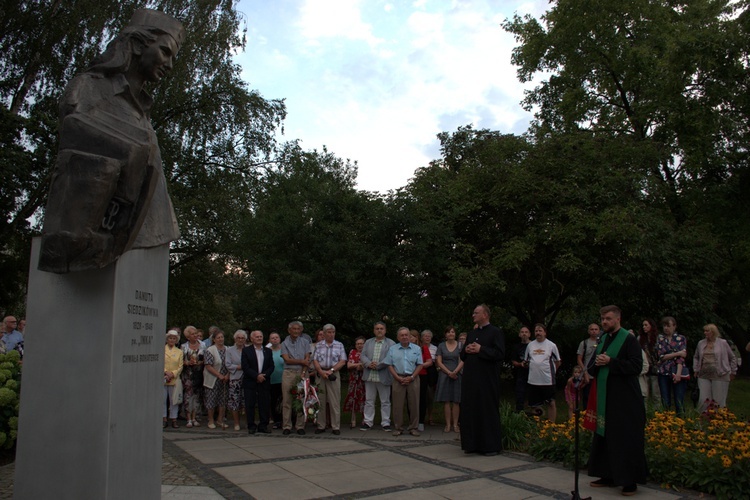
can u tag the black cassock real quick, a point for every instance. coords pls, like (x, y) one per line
(480, 391)
(620, 455)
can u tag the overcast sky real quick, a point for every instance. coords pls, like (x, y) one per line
(376, 80)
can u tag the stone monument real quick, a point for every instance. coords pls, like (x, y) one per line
(92, 389)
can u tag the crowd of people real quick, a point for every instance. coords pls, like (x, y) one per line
(616, 373)
(205, 376)
(665, 370)
(210, 377)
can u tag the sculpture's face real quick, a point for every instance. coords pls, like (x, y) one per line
(156, 59)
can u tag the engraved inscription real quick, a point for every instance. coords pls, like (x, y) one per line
(142, 327)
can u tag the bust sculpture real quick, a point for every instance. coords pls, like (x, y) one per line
(108, 193)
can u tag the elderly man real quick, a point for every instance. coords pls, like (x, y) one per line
(257, 366)
(329, 358)
(405, 362)
(9, 336)
(209, 341)
(377, 378)
(295, 350)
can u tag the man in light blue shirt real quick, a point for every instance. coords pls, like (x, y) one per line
(10, 336)
(404, 362)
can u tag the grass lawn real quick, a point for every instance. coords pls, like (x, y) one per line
(738, 400)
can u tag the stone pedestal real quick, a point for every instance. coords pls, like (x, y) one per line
(92, 386)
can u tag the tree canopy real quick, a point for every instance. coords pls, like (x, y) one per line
(213, 130)
(630, 187)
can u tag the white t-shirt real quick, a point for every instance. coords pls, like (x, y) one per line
(542, 357)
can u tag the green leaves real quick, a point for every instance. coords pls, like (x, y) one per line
(213, 130)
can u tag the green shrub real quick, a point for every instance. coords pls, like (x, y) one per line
(516, 428)
(9, 394)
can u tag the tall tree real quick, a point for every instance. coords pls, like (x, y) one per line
(314, 248)
(673, 76)
(213, 130)
(531, 224)
(665, 71)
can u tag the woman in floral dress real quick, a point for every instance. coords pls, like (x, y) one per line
(236, 401)
(355, 399)
(192, 376)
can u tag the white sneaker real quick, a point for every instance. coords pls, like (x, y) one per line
(420, 427)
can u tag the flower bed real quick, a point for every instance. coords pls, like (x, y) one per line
(709, 453)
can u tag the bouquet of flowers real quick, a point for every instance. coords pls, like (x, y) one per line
(305, 399)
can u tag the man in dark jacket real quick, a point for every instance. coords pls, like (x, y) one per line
(257, 366)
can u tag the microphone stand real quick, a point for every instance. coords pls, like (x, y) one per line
(577, 411)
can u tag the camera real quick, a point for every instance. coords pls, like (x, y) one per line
(332, 377)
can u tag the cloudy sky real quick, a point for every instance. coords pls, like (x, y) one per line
(376, 80)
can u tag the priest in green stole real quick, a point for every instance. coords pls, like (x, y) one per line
(617, 449)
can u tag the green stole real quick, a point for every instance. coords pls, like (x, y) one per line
(613, 350)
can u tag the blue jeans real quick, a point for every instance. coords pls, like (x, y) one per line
(668, 388)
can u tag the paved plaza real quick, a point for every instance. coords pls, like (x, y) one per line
(202, 464)
(356, 464)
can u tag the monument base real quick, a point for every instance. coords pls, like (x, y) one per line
(93, 378)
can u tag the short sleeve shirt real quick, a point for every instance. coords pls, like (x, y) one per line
(296, 350)
(404, 359)
(542, 357)
(586, 348)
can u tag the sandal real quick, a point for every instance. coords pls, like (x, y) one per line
(447, 428)
(174, 424)
(196, 423)
(189, 424)
(212, 426)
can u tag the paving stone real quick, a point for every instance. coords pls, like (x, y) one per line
(224, 456)
(478, 488)
(417, 474)
(296, 488)
(352, 481)
(561, 480)
(254, 473)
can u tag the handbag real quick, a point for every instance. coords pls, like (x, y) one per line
(177, 394)
(685, 373)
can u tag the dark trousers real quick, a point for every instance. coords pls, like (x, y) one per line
(260, 395)
(423, 388)
(520, 390)
(276, 398)
(585, 396)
